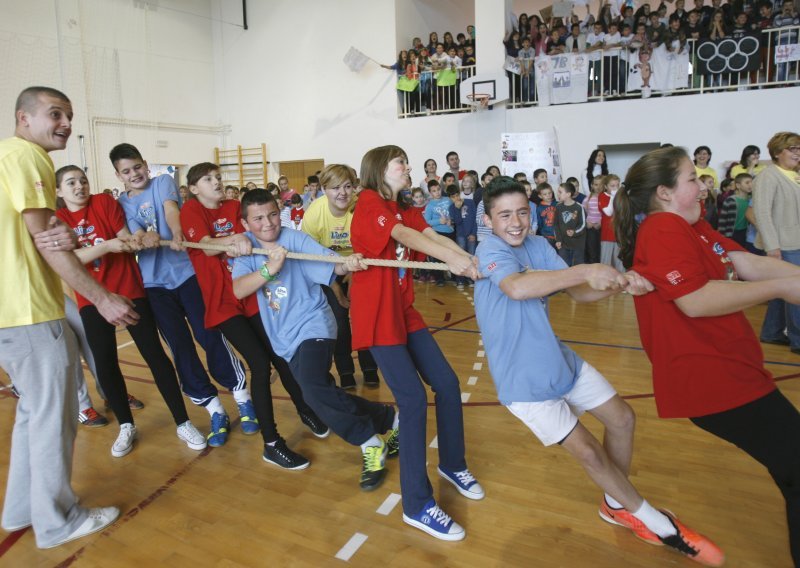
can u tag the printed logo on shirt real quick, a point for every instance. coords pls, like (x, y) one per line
(192, 232)
(39, 186)
(382, 221)
(222, 228)
(147, 214)
(491, 266)
(730, 270)
(675, 278)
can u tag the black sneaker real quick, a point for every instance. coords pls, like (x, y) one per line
(393, 443)
(317, 426)
(371, 379)
(347, 381)
(373, 469)
(279, 454)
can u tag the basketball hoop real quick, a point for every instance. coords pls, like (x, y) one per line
(479, 101)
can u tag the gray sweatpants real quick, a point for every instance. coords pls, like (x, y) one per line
(43, 360)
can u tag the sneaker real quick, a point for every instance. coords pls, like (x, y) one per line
(134, 403)
(191, 435)
(124, 442)
(279, 454)
(436, 522)
(371, 379)
(471, 284)
(91, 418)
(465, 482)
(373, 468)
(248, 419)
(692, 544)
(97, 520)
(393, 443)
(780, 340)
(460, 287)
(347, 381)
(626, 519)
(220, 425)
(317, 426)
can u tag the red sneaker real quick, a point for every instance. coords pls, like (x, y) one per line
(626, 519)
(692, 544)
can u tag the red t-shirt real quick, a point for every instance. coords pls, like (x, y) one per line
(99, 221)
(214, 272)
(382, 312)
(701, 365)
(606, 222)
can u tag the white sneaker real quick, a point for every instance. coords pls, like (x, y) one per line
(124, 443)
(193, 438)
(97, 520)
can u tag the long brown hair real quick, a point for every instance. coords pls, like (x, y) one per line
(654, 169)
(373, 169)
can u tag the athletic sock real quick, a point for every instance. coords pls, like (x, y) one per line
(613, 503)
(655, 520)
(374, 441)
(396, 421)
(214, 406)
(241, 396)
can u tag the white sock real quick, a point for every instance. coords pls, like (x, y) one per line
(655, 520)
(613, 503)
(374, 441)
(214, 406)
(396, 421)
(241, 396)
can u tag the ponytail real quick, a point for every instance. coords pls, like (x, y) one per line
(636, 199)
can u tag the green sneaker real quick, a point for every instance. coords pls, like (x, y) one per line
(393, 443)
(373, 470)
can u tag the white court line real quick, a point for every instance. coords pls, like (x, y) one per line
(465, 397)
(480, 342)
(352, 546)
(481, 354)
(435, 442)
(124, 345)
(472, 380)
(391, 501)
(477, 366)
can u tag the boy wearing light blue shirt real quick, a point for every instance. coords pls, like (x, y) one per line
(538, 378)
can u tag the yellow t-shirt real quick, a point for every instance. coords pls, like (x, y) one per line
(30, 291)
(708, 171)
(791, 174)
(329, 231)
(739, 169)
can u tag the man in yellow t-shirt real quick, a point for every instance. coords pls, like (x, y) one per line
(327, 221)
(39, 350)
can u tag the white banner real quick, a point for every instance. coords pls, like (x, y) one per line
(529, 151)
(786, 53)
(562, 79)
(355, 60)
(668, 70)
(512, 65)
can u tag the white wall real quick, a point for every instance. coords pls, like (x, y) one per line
(418, 18)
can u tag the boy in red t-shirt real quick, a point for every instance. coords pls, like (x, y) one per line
(105, 242)
(209, 218)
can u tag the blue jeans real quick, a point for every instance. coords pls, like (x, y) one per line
(403, 366)
(782, 315)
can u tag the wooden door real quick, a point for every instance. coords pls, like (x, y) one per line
(298, 171)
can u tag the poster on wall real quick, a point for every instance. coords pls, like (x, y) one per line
(528, 151)
(160, 169)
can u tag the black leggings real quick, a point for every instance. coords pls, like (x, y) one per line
(768, 429)
(102, 339)
(250, 339)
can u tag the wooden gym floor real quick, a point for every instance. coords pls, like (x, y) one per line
(225, 507)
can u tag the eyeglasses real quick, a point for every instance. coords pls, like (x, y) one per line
(794, 149)
(346, 186)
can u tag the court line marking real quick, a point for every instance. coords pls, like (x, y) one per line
(389, 504)
(477, 366)
(481, 354)
(124, 345)
(472, 380)
(352, 546)
(435, 442)
(465, 397)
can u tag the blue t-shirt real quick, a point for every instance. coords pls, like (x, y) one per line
(161, 267)
(435, 211)
(293, 307)
(527, 361)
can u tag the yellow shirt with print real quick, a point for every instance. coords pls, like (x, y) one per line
(29, 288)
(329, 231)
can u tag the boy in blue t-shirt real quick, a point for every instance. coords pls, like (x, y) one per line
(152, 210)
(303, 330)
(520, 272)
(438, 213)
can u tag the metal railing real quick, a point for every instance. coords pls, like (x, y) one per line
(609, 74)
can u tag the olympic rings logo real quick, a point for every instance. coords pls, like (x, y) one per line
(729, 55)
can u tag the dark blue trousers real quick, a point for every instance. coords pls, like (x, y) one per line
(172, 309)
(402, 367)
(352, 418)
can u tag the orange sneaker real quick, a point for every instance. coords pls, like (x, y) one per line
(692, 544)
(626, 519)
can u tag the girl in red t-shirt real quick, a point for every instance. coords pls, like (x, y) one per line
(609, 249)
(104, 243)
(707, 362)
(385, 321)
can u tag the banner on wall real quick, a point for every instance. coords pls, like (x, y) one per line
(562, 78)
(529, 151)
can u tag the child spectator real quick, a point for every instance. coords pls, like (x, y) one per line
(312, 192)
(570, 226)
(437, 214)
(297, 211)
(732, 220)
(593, 221)
(708, 201)
(286, 192)
(594, 42)
(546, 213)
(539, 177)
(609, 248)
(579, 197)
(464, 218)
(468, 187)
(527, 76)
(611, 70)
